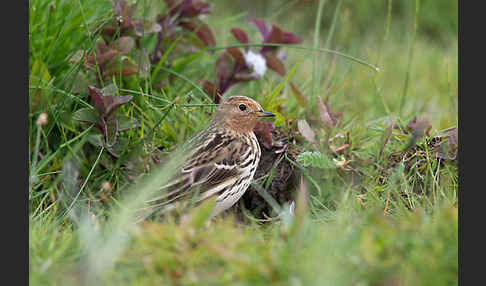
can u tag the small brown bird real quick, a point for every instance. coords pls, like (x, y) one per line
(224, 157)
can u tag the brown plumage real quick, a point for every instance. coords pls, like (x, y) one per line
(223, 159)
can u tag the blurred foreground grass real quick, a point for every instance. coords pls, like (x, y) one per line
(390, 218)
(356, 247)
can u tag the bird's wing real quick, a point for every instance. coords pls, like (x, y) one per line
(210, 169)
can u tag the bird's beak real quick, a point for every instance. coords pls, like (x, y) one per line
(263, 113)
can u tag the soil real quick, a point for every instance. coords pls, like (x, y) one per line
(282, 186)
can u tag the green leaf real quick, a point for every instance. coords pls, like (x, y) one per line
(116, 102)
(306, 131)
(110, 89)
(316, 160)
(146, 26)
(85, 115)
(124, 44)
(95, 139)
(142, 60)
(111, 131)
(118, 148)
(125, 122)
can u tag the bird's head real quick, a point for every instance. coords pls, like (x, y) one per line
(239, 113)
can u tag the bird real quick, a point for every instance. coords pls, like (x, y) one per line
(223, 158)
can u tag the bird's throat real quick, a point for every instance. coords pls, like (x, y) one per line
(242, 126)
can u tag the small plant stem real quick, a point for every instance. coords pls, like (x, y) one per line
(333, 25)
(315, 80)
(34, 158)
(380, 50)
(155, 58)
(387, 31)
(410, 56)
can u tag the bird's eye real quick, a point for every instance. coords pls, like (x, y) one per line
(242, 107)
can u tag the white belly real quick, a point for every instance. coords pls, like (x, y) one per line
(227, 200)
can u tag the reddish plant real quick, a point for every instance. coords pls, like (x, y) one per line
(183, 14)
(119, 37)
(104, 115)
(235, 65)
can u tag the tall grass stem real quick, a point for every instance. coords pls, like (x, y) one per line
(317, 29)
(410, 56)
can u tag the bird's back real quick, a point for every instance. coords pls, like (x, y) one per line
(221, 164)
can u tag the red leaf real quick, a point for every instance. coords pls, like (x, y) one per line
(108, 31)
(240, 36)
(116, 102)
(274, 63)
(126, 67)
(306, 131)
(238, 56)
(290, 38)
(298, 95)
(276, 36)
(97, 98)
(279, 36)
(203, 32)
(324, 114)
(206, 35)
(197, 8)
(243, 76)
(263, 131)
(163, 20)
(211, 91)
(188, 8)
(224, 66)
(107, 104)
(101, 46)
(262, 27)
(123, 44)
(102, 59)
(129, 67)
(103, 53)
(328, 118)
(191, 26)
(123, 14)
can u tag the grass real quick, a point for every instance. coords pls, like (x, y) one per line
(372, 213)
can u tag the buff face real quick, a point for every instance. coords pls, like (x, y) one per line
(241, 113)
